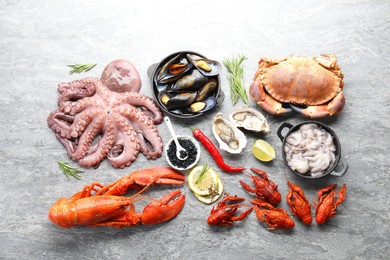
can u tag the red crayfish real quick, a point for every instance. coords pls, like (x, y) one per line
(276, 218)
(106, 206)
(224, 213)
(298, 203)
(327, 205)
(265, 189)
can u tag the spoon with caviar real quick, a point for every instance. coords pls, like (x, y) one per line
(181, 153)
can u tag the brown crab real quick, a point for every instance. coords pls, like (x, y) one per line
(311, 86)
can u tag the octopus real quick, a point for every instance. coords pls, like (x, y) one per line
(107, 118)
(310, 150)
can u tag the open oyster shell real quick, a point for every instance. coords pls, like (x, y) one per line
(249, 119)
(229, 137)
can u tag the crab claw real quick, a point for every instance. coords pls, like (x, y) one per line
(164, 209)
(265, 101)
(333, 107)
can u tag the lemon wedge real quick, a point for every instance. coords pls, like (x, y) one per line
(263, 151)
(206, 184)
(215, 195)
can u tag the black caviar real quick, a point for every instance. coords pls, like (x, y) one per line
(192, 152)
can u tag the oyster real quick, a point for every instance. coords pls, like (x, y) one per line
(249, 119)
(229, 137)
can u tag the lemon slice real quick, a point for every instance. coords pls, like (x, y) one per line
(213, 196)
(206, 185)
(263, 151)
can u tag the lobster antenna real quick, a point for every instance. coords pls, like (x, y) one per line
(144, 188)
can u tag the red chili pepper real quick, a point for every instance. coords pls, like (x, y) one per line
(210, 147)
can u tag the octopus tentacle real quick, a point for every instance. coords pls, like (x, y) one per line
(77, 148)
(99, 150)
(81, 121)
(147, 105)
(126, 147)
(60, 123)
(148, 136)
(75, 90)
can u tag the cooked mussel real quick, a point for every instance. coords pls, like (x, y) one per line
(207, 90)
(207, 67)
(203, 106)
(174, 69)
(177, 100)
(193, 81)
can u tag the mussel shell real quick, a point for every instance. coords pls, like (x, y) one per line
(179, 100)
(193, 81)
(207, 90)
(214, 65)
(203, 106)
(169, 74)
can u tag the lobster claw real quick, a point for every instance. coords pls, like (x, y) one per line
(143, 178)
(164, 209)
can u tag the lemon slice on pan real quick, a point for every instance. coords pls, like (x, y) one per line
(213, 196)
(202, 185)
(263, 151)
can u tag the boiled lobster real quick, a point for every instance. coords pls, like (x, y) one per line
(327, 204)
(265, 189)
(276, 218)
(224, 213)
(99, 205)
(298, 203)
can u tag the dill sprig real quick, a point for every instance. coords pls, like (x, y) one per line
(236, 78)
(69, 170)
(205, 168)
(78, 68)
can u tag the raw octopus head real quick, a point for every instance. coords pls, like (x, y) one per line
(121, 76)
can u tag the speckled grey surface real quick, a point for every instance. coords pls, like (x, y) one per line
(38, 38)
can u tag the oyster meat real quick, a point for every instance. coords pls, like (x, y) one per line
(249, 119)
(229, 137)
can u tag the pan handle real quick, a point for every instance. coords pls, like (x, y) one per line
(340, 172)
(150, 70)
(281, 128)
(221, 97)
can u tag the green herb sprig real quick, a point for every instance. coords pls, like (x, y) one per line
(236, 78)
(78, 68)
(69, 170)
(205, 168)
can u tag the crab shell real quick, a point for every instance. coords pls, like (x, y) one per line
(309, 85)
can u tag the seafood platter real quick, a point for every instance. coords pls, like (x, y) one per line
(109, 118)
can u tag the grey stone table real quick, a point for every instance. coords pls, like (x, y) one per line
(39, 38)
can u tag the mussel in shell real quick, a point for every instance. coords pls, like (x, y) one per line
(193, 81)
(207, 90)
(207, 67)
(177, 100)
(203, 106)
(174, 69)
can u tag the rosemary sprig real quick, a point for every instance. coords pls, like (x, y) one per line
(69, 170)
(202, 173)
(78, 68)
(236, 78)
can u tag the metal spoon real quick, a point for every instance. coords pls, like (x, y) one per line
(181, 153)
